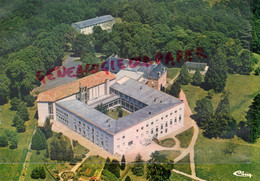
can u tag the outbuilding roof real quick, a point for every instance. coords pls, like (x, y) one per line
(93, 21)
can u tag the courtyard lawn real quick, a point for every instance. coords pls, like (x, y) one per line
(243, 88)
(16, 156)
(172, 72)
(132, 176)
(168, 142)
(113, 113)
(213, 164)
(185, 137)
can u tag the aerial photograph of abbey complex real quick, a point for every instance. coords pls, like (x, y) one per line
(129, 90)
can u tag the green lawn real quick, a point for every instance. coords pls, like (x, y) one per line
(168, 142)
(113, 113)
(183, 165)
(175, 176)
(170, 154)
(132, 176)
(242, 88)
(185, 137)
(213, 164)
(79, 149)
(172, 72)
(16, 156)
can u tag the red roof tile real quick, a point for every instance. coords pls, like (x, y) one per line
(71, 88)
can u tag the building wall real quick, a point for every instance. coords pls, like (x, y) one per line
(84, 128)
(162, 80)
(156, 84)
(43, 112)
(143, 133)
(105, 26)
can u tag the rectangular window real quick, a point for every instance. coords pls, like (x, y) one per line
(171, 122)
(165, 130)
(130, 143)
(142, 128)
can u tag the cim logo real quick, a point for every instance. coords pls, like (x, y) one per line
(240, 173)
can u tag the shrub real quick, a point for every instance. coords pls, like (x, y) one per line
(3, 141)
(38, 140)
(108, 176)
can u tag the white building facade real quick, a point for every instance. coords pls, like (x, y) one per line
(154, 114)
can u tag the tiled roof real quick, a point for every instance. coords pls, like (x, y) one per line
(93, 21)
(71, 88)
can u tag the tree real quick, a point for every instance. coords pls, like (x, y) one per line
(102, 108)
(175, 89)
(253, 117)
(230, 147)
(204, 111)
(38, 140)
(122, 166)
(158, 168)
(47, 154)
(127, 178)
(216, 75)
(15, 103)
(35, 173)
(42, 172)
(107, 162)
(61, 149)
(13, 142)
(184, 77)
(20, 127)
(3, 141)
(120, 111)
(4, 88)
(83, 44)
(23, 112)
(15, 119)
(114, 167)
(196, 79)
(47, 128)
(138, 168)
(29, 99)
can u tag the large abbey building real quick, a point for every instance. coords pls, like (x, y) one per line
(153, 114)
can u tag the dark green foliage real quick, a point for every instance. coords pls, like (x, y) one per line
(108, 176)
(47, 153)
(257, 71)
(42, 172)
(15, 103)
(184, 77)
(23, 112)
(102, 108)
(175, 89)
(120, 111)
(82, 45)
(222, 123)
(158, 168)
(127, 178)
(61, 149)
(3, 141)
(13, 142)
(138, 167)
(204, 111)
(196, 79)
(47, 128)
(20, 127)
(35, 173)
(4, 88)
(253, 119)
(216, 75)
(122, 166)
(38, 140)
(38, 172)
(114, 167)
(29, 99)
(74, 143)
(15, 119)
(107, 162)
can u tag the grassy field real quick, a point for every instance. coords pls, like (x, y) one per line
(114, 113)
(213, 164)
(184, 165)
(185, 137)
(170, 154)
(243, 88)
(14, 158)
(132, 176)
(172, 72)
